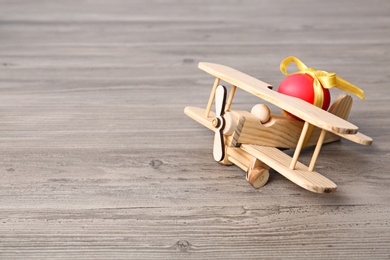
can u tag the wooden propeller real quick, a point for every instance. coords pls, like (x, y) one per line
(219, 123)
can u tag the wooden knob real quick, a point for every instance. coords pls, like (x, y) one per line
(262, 112)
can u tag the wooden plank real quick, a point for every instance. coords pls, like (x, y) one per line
(282, 135)
(298, 107)
(280, 162)
(197, 114)
(358, 138)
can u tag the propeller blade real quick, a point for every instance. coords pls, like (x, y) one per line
(219, 146)
(220, 100)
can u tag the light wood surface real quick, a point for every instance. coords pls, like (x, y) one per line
(314, 115)
(279, 132)
(98, 160)
(300, 175)
(317, 150)
(299, 147)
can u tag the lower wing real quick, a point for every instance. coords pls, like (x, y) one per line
(280, 162)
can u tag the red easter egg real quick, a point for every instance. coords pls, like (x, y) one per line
(301, 86)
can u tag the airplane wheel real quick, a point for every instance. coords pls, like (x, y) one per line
(258, 177)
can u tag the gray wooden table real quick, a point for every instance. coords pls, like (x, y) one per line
(99, 161)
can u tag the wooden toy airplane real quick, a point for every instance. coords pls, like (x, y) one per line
(253, 140)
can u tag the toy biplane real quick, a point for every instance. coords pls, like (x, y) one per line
(254, 141)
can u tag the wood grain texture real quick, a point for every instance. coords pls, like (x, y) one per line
(98, 160)
(282, 163)
(314, 115)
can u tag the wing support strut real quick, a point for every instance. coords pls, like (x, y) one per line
(317, 150)
(231, 96)
(211, 99)
(299, 145)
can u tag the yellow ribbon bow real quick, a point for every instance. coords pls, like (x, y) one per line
(321, 77)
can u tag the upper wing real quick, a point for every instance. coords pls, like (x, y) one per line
(358, 138)
(279, 161)
(312, 114)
